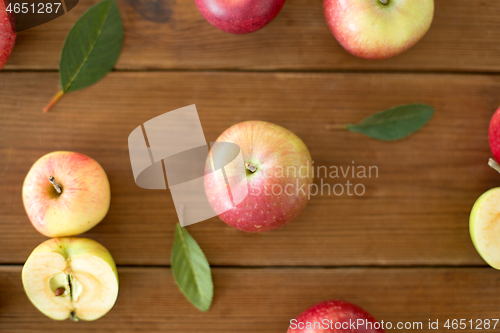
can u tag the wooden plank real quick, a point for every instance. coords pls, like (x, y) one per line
(465, 36)
(265, 300)
(415, 213)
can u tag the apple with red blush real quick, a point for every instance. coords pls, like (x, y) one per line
(66, 194)
(276, 169)
(378, 29)
(239, 16)
(7, 34)
(494, 135)
(335, 317)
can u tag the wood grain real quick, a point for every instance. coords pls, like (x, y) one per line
(265, 300)
(415, 213)
(169, 34)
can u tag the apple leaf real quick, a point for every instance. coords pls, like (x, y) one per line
(191, 270)
(394, 124)
(91, 49)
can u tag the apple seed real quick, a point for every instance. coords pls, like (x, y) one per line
(60, 291)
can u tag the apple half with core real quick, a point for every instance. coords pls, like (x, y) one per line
(277, 171)
(335, 317)
(71, 278)
(484, 225)
(239, 16)
(66, 194)
(378, 29)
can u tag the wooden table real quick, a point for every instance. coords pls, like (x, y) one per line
(402, 250)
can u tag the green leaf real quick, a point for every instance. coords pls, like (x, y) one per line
(191, 270)
(395, 123)
(92, 47)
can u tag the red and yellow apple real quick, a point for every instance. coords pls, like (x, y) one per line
(484, 220)
(66, 194)
(277, 169)
(71, 278)
(335, 317)
(378, 29)
(239, 16)
(7, 34)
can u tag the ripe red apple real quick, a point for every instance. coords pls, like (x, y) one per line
(335, 317)
(378, 29)
(7, 34)
(239, 16)
(494, 135)
(277, 170)
(66, 194)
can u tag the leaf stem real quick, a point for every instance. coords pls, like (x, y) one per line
(494, 165)
(53, 101)
(333, 127)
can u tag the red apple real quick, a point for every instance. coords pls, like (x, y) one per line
(378, 29)
(335, 317)
(239, 16)
(66, 194)
(278, 172)
(7, 34)
(494, 135)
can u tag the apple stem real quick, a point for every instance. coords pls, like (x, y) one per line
(250, 167)
(494, 165)
(331, 127)
(384, 2)
(53, 101)
(56, 185)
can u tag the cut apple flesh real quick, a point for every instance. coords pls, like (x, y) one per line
(90, 285)
(485, 226)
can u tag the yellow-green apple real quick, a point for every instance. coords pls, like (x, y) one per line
(484, 225)
(494, 135)
(7, 34)
(378, 29)
(66, 194)
(335, 317)
(276, 168)
(239, 16)
(71, 278)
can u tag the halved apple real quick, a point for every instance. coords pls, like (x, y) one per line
(71, 278)
(484, 225)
